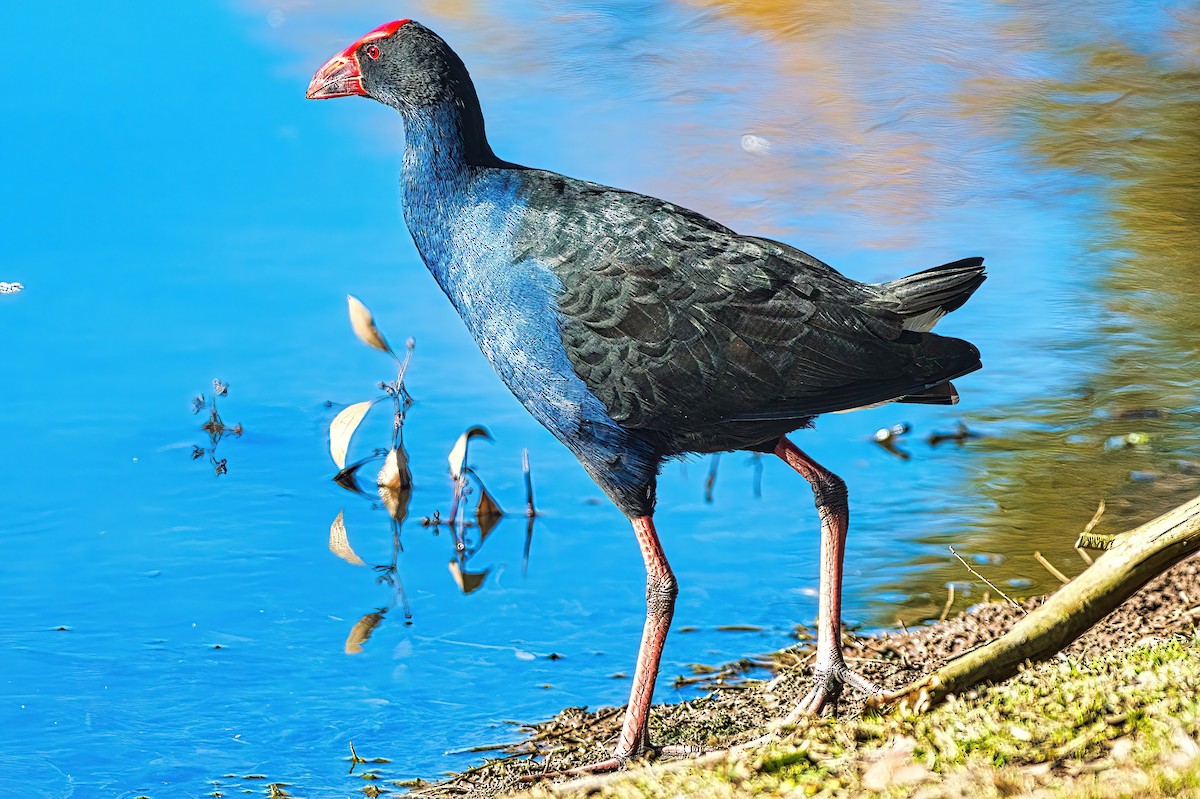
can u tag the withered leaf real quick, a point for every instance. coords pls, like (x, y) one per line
(458, 453)
(395, 483)
(395, 473)
(362, 630)
(364, 325)
(487, 513)
(342, 428)
(339, 544)
(348, 478)
(467, 581)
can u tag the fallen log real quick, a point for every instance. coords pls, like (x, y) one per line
(1131, 560)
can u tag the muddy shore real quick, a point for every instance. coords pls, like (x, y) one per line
(737, 708)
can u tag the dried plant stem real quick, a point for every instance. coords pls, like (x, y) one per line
(949, 601)
(530, 510)
(1089, 541)
(988, 582)
(1062, 578)
(408, 352)
(711, 480)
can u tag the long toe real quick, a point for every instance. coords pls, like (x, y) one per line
(602, 767)
(680, 751)
(827, 687)
(616, 763)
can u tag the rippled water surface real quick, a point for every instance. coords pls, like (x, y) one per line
(177, 212)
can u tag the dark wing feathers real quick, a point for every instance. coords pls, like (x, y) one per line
(677, 324)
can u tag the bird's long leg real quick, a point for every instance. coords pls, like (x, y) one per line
(660, 607)
(830, 671)
(661, 591)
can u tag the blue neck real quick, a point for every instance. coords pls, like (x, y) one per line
(445, 175)
(436, 157)
(435, 180)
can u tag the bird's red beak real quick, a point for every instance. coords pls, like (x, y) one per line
(342, 75)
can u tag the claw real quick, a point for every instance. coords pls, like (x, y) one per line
(827, 688)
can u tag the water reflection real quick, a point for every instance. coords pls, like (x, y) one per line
(394, 488)
(898, 116)
(1121, 126)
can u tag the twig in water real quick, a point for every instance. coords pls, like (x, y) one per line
(1083, 554)
(530, 510)
(1062, 578)
(1095, 518)
(949, 601)
(1089, 541)
(354, 758)
(988, 582)
(711, 480)
(483, 748)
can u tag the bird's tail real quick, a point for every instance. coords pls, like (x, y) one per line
(944, 359)
(925, 297)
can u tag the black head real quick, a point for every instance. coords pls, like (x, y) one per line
(402, 64)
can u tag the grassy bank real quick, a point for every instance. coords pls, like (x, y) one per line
(1115, 714)
(1116, 725)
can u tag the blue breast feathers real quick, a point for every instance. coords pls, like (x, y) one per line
(509, 306)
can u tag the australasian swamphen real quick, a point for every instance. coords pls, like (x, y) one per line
(636, 330)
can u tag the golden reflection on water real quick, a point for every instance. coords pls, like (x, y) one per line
(1125, 124)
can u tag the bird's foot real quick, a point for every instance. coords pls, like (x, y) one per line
(827, 687)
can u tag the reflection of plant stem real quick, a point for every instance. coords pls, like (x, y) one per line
(397, 548)
(1062, 578)
(949, 601)
(528, 544)
(460, 490)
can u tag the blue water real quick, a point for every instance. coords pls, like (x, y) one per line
(177, 212)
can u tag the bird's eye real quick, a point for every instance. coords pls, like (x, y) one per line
(372, 52)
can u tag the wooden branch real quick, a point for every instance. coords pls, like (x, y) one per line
(1133, 559)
